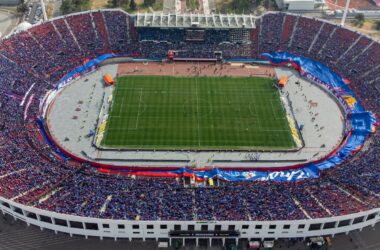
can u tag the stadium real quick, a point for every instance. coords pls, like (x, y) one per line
(201, 129)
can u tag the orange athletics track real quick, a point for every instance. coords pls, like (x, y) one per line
(195, 69)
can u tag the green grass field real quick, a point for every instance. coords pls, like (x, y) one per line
(163, 112)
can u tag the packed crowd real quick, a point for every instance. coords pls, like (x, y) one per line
(287, 31)
(270, 32)
(318, 46)
(355, 56)
(340, 40)
(141, 198)
(31, 62)
(304, 35)
(192, 43)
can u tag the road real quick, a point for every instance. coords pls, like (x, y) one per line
(8, 21)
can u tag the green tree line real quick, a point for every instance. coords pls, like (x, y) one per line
(70, 6)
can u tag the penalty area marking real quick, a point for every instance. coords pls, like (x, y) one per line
(277, 117)
(138, 110)
(122, 107)
(196, 91)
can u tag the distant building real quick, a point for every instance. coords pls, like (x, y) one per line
(299, 4)
(9, 2)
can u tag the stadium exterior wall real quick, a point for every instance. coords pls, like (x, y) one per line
(132, 230)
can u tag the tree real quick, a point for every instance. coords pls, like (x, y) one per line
(22, 7)
(66, 7)
(117, 3)
(359, 19)
(241, 5)
(133, 5)
(267, 3)
(70, 6)
(149, 2)
(112, 3)
(377, 25)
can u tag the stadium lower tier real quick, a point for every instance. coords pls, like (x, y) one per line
(69, 196)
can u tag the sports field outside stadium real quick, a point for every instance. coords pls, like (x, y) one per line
(197, 113)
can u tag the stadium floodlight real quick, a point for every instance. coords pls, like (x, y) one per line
(345, 12)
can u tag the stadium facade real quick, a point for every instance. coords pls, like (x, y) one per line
(49, 56)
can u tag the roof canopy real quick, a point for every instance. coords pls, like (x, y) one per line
(221, 21)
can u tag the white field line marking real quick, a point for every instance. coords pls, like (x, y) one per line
(275, 114)
(138, 110)
(272, 109)
(122, 106)
(220, 91)
(274, 130)
(258, 130)
(256, 114)
(109, 111)
(196, 91)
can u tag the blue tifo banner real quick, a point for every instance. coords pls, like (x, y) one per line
(90, 66)
(87, 67)
(229, 175)
(288, 175)
(48, 140)
(319, 73)
(361, 123)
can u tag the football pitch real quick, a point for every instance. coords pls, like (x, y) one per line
(196, 113)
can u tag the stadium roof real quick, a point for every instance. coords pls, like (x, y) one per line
(221, 21)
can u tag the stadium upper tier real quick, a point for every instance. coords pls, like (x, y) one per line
(33, 61)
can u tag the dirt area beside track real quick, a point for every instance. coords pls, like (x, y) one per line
(195, 69)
